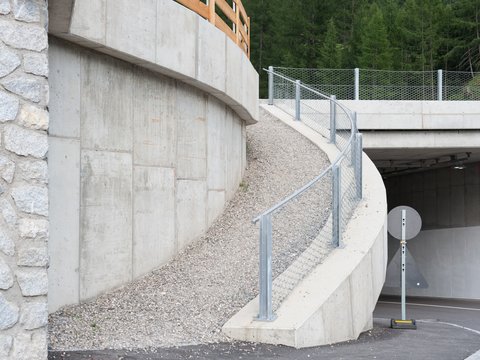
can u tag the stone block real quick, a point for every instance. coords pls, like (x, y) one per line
(8, 212)
(154, 120)
(191, 133)
(6, 341)
(32, 281)
(64, 173)
(32, 254)
(216, 158)
(191, 211)
(4, 7)
(33, 170)
(6, 275)
(29, 87)
(25, 142)
(7, 246)
(36, 64)
(34, 315)
(31, 345)
(106, 221)
(9, 105)
(9, 61)
(7, 169)
(126, 33)
(34, 229)
(8, 313)
(33, 117)
(176, 49)
(211, 56)
(215, 205)
(107, 103)
(64, 79)
(31, 199)
(154, 218)
(26, 10)
(88, 20)
(23, 36)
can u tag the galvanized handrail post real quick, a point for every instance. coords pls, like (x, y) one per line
(440, 84)
(336, 207)
(354, 139)
(357, 84)
(297, 100)
(270, 85)
(265, 312)
(333, 119)
(358, 164)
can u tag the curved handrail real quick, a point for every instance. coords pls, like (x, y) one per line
(338, 211)
(340, 157)
(239, 28)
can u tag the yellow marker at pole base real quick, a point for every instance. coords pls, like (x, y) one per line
(403, 324)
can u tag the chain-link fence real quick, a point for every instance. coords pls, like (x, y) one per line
(361, 84)
(315, 215)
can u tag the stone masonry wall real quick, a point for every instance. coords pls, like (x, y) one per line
(23, 179)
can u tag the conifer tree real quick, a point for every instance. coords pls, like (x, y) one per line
(375, 49)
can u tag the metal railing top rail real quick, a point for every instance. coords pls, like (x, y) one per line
(231, 19)
(340, 156)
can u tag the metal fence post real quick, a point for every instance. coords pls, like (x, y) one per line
(358, 164)
(265, 312)
(357, 84)
(336, 208)
(333, 119)
(440, 84)
(270, 85)
(297, 100)
(354, 145)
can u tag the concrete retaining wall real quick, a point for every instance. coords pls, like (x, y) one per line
(335, 301)
(165, 37)
(140, 165)
(24, 209)
(447, 250)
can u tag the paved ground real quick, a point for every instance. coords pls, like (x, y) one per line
(441, 335)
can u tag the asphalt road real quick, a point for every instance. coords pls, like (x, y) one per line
(459, 312)
(447, 330)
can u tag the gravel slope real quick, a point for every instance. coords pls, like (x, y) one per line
(189, 299)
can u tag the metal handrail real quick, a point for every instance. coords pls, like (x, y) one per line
(298, 192)
(354, 144)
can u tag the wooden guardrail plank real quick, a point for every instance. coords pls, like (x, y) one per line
(242, 10)
(226, 9)
(239, 31)
(222, 25)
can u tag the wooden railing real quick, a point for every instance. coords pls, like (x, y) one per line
(231, 19)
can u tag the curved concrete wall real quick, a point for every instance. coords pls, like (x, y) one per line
(335, 302)
(165, 37)
(140, 165)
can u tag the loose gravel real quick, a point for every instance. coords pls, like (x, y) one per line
(186, 301)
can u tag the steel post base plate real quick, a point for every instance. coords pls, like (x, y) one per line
(403, 324)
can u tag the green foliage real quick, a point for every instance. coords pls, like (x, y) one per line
(375, 50)
(379, 34)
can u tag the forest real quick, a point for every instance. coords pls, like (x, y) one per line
(421, 35)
